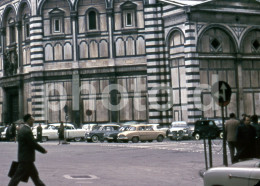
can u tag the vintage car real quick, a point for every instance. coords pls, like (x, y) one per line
(142, 133)
(50, 132)
(157, 126)
(111, 136)
(206, 129)
(179, 130)
(89, 127)
(98, 134)
(246, 173)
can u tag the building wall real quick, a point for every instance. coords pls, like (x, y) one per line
(163, 59)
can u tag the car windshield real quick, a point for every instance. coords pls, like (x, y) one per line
(124, 128)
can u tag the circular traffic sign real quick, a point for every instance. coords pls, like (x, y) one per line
(221, 92)
(88, 112)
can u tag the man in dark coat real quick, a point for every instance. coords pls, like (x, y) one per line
(39, 133)
(26, 154)
(246, 135)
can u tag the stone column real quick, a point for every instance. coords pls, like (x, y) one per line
(75, 98)
(19, 46)
(21, 98)
(110, 32)
(74, 16)
(240, 86)
(3, 32)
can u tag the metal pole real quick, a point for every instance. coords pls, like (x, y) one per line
(224, 139)
(205, 153)
(210, 153)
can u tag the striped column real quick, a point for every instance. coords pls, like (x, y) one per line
(157, 72)
(36, 45)
(38, 98)
(192, 72)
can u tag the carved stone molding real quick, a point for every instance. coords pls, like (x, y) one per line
(238, 30)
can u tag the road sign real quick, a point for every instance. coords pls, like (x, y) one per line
(221, 92)
(88, 112)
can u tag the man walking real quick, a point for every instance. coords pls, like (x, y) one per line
(26, 154)
(39, 133)
(246, 135)
(231, 131)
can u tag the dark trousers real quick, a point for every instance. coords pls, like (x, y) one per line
(26, 169)
(232, 147)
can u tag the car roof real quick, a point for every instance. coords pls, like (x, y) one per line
(140, 125)
(174, 122)
(58, 124)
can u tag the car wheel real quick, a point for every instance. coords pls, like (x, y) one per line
(160, 138)
(77, 139)
(95, 139)
(44, 138)
(197, 136)
(221, 134)
(135, 139)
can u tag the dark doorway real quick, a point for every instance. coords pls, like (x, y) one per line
(12, 105)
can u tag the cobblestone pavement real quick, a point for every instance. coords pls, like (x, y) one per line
(167, 163)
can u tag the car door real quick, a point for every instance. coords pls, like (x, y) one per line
(150, 134)
(141, 133)
(51, 132)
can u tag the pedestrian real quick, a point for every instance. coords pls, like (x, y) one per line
(231, 132)
(26, 154)
(245, 140)
(61, 132)
(8, 132)
(13, 132)
(39, 133)
(242, 121)
(255, 124)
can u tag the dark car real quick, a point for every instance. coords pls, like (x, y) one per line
(206, 129)
(111, 136)
(98, 134)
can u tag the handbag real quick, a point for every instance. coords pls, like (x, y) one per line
(13, 169)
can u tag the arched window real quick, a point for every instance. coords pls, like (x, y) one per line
(92, 20)
(11, 23)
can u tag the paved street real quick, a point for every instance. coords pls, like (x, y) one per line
(167, 163)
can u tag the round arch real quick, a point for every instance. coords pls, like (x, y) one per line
(170, 34)
(39, 10)
(245, 35)
(6, 11)
(223, 28)
(20, 8)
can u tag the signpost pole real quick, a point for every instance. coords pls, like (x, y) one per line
(224, 139)
(205, 153)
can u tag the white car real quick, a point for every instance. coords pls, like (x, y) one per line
(246, 173)
(71, 133)
(158, 127)
(179, 130)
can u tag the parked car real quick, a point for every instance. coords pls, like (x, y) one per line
(111, 136)
(179, 130)
(206, 128)
(98, 134)
(89, 127)
(50, 132)
(157, 126)
(218, 122)
(142, 133)
(3, 132)
(246, 173)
